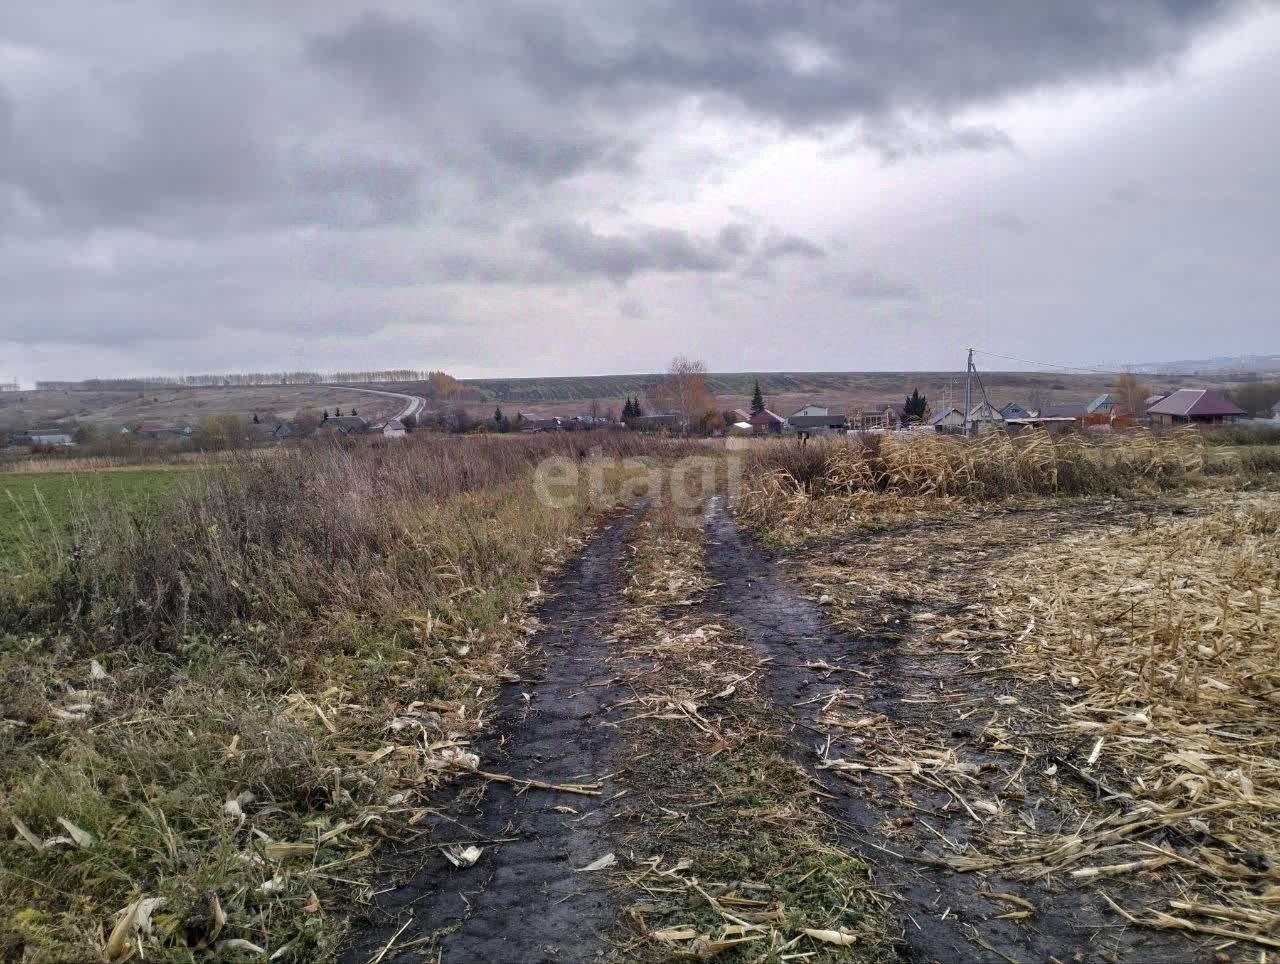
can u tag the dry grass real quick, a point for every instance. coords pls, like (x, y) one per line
(1090, 705)
(731, 855)
(233, 698)
(1163, 644)
(829, 484)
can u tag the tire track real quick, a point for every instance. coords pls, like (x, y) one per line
(526, 899)
(946, 918)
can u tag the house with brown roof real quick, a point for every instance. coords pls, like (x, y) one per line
(766, 423)
(163, 432)
(1195, 406)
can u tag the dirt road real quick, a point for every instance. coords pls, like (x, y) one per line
(528, 897)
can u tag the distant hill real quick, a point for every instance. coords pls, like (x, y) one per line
(869, 384)
(1226, 364)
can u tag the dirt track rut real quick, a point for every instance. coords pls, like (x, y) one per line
(525, 899)
(945, 917)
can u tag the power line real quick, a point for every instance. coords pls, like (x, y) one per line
(1031, 361)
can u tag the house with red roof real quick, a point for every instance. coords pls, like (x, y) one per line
(1194, 406)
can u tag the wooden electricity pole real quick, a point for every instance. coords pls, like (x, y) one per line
(968, 392)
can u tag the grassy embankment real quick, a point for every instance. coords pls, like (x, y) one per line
(733, 857)
(215, 709)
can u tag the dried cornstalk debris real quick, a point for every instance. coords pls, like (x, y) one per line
(729, 853)
(1163, 645)
(836, 485)
(1099, 699)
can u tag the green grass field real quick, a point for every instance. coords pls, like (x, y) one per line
(35, 505)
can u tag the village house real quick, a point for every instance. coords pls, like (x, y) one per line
(1195, 406)
(1014, 410)
(1104, 404)
(51, 437)
(162, 432)
(535, 422)
(949, 418)
(394, 428)
(1072, 410)
(343, 425)
(278, 431)
(655, 423)
(984, 417)
(882, 415)
(815, 420)
(766, 423)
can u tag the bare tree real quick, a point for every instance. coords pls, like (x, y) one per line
(1130, 393)
(683, 391)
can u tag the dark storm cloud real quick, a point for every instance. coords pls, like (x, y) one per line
(354, 149)
(581, 249)
(899, 141)
(819, 62)
(233, 134)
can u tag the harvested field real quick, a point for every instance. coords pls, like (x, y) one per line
(1004, 701)
(174, 405)
(1071, 702)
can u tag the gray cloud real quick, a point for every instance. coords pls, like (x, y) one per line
(584, 251)
(581, 249)
(170, 168)
(870, 285)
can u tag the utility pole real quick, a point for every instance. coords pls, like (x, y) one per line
(968, 392)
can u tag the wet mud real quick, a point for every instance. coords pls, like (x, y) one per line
(526, 898)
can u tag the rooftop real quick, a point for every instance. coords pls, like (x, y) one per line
(1192, 402)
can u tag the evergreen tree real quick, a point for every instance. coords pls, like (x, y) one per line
(914, 408)
(353, 413)
(255, 418)
(626, 409)
(326, 416)
(636, 410)
(757, 401)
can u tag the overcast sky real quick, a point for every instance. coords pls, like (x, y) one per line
(589, 186)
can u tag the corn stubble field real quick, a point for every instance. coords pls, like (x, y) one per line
(222, 709)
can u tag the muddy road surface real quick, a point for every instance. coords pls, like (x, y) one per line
(944, 915)
(526, 898)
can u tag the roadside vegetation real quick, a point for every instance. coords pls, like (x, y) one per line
(215, 709)
(731, 856)
(791, 491)
(1088, 685)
